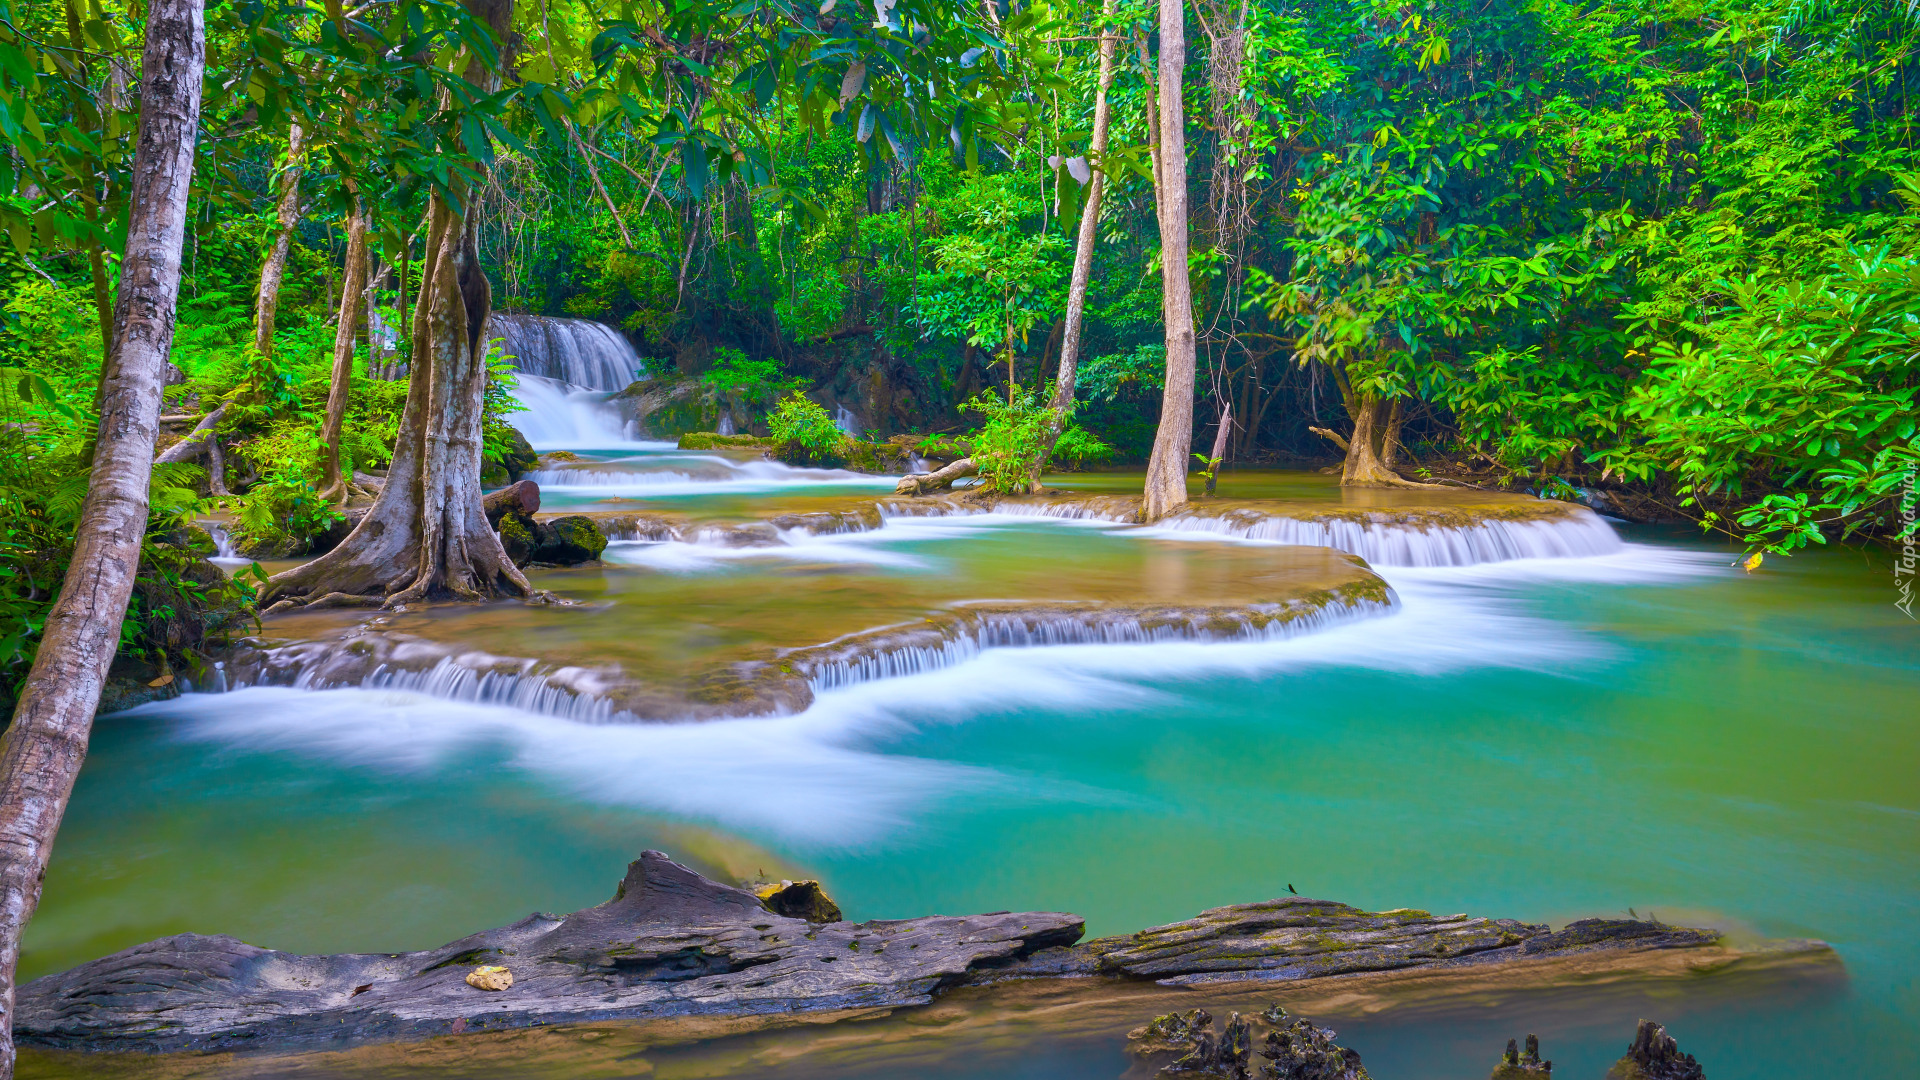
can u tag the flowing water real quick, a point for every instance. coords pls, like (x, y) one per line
(1543, 738)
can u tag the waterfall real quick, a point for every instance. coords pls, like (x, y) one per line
(558, 414)
(588, 354)
(834, 666)
(844, 419)
(1579, 534)
(726, 424)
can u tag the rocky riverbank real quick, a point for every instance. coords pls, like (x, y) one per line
(672, 944)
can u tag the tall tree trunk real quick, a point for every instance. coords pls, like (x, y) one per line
(426, 536)
(274, 269)
(1063, 383)
(1166, 487)
(333, 487)
(90, 191)
(40, 754)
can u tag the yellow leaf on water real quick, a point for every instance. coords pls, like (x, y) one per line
(164, 680)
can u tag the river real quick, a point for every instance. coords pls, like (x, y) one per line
(1647, 729)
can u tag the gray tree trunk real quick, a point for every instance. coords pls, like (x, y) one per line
(274, 269)
(1063, 383)
(1166, 486)
(426, 536)
(333, 487)
(40, 754)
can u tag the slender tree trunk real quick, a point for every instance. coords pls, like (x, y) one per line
(90, 193)
(1063, 383)
(40, 754)
(1166, 487)
(333, 487)
(1219, 447)
(274, 269)
(426, 536)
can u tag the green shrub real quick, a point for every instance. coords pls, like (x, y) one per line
(1011, 440)
(1079, 448)
(803, 433)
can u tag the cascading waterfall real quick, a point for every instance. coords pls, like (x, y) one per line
(558, 414)
(528, 692)
(969, 640)
(586, 354)
(1579, 534)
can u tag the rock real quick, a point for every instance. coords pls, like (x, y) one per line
(1655, 1056)
(1294, 937)
(490, 977)
(798, 900)
(669, 944)
(515, 460)
(1517, 1064)
(1297, 1050)
(568, 541)
(709, 440)
(518, 537)
(521, 497)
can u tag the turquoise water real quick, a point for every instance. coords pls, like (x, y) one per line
(1542, 740)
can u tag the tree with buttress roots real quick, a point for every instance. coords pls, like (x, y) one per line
(426, 536)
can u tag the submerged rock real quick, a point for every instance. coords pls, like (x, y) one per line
(1294, 1049)
(1298, 1050)
(669, 944)
(1655, 1055)
(1518, 1064)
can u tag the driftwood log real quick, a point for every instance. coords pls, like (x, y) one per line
(674, 944)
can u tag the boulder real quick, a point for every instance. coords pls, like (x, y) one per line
(512, 462)
(568, 541)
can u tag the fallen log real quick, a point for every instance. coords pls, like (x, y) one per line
(923, 483)
(673, 945)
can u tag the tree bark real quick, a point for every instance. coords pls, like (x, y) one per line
(40, 754)
(1063, 383)
(274, 269)
(1166, 486)
(922, 483)
(198, 441)
(426, 537)
(333, 487)
(1219, 447)
(89, 192)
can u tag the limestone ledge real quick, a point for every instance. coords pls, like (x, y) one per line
(782, 680)
(672, 944)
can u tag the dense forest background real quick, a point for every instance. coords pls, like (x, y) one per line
(1657, 254)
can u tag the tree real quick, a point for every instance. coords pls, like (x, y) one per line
(426, 535)
(41, 753)
(1063, 383)
(1166, 486)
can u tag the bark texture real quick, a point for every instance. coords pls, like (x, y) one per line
(1166, 487)
(198, 441)
(333, 487)
(426, 537)
(1063, 383)
(41, 752)
(274, 268)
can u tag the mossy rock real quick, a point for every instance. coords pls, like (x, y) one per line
(517, 535)
(569, 541)
(849, 453)
(710, 440)
(510, 465)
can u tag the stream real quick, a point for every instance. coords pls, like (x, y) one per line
(1641, 727)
